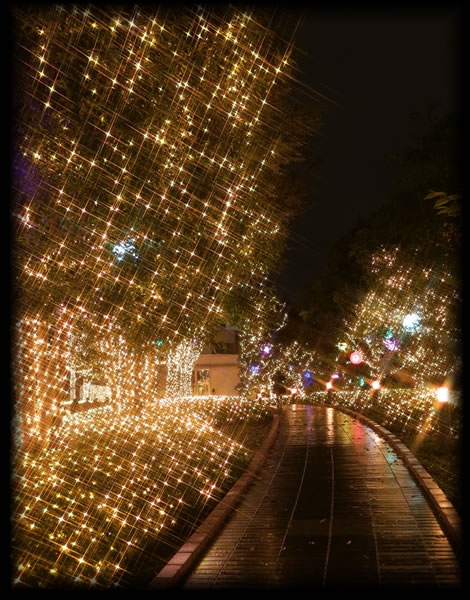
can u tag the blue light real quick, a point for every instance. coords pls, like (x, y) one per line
(308, 378)
(411, 322)
(125, 248)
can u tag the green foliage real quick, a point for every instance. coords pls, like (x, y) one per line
(446, 204)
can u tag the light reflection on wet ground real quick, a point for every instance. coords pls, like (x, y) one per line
(333, 506)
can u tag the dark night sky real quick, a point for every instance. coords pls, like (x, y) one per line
(377, 68)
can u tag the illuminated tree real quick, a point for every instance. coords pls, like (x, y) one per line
(258, 329)
(407, 328)
(149, 154)
(421, 230)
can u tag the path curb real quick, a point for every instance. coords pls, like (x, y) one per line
(172, 574)
(178, 566)
(442, 507)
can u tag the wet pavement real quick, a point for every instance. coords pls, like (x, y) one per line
(331, 504)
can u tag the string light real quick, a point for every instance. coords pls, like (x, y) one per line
(407, 324)
(145, 149)
(110, 486)
(154, 196)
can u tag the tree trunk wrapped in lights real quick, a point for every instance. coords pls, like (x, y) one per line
(180, 363)
(41, 383)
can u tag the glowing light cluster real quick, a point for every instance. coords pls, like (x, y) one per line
(407, 326)
(297, 364)
(355, 357)
(112, 488)
(147, 146)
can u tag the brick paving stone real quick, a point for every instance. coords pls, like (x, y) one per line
(333, 505)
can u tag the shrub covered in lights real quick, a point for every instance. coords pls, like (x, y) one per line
(115, 495)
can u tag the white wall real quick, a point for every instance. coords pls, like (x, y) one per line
(224, 372)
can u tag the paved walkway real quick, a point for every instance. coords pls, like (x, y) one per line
(332, 501)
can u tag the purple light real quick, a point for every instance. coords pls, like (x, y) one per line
(391, 344)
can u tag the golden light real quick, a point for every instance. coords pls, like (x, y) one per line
(442, 394)
(145, 148)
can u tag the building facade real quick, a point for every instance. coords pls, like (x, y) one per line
(217, 369)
